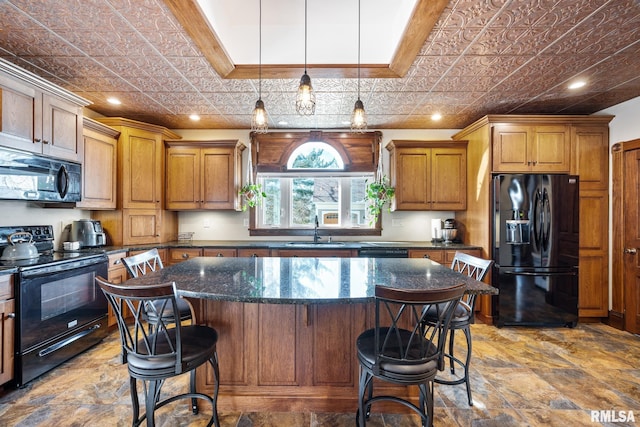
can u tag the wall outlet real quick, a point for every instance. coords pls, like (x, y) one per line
(396, 223)
(206, 223)
(246, 222)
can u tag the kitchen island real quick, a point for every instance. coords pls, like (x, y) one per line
(288, 326)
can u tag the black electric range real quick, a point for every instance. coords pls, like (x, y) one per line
(42, 236)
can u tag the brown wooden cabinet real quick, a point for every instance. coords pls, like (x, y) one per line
(99, 187)
(38, 116)
(139, 218)
(428, 175)
(442, 256)
(588, 138)
(531, 148)
(203, 175)
(254, 252)
(177, 255)
(7, 327)
(219, 252)
(312, 351)
(117, 273)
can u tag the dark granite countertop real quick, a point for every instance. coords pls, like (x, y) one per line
(302, 280)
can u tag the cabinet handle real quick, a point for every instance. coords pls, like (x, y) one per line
(631, 251)
(254, 255)
(44, 141)
(220, 254)
(11, 316)
(37, 140)
(185, 256)
(427, 256)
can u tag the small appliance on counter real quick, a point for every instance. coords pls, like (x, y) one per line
(449, 232)
(88, 232)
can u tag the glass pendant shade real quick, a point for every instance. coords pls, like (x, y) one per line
(306, 99)
(259, 118)
(358, 117)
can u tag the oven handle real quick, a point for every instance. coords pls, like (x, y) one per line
(57, 346)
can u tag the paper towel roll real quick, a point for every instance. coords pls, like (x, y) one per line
(436, 228)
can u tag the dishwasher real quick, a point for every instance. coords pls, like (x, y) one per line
(383, 253)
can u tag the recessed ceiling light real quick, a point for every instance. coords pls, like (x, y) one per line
(114, 101)
(577, 84)
(436, 116)
(194, 117)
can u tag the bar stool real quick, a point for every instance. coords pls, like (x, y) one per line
(463, 317)
(403, 348)
(154, 356)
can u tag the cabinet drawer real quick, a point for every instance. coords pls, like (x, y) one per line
(262, 252)
(436, 255)
(114, 260)
(6, 286)
(221, 252)
(177, 255)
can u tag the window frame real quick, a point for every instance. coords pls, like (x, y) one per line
(270, 153)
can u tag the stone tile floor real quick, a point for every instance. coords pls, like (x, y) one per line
(521, 377)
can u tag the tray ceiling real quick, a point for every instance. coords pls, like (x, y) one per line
(461, 58)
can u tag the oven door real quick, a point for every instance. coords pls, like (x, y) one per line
(62, 312)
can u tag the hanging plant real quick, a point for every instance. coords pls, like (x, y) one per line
(378, 194)
(252, 195)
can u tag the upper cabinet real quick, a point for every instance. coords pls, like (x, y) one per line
(531, 148)
(429, 175)
(38, 116)
(99, 166)
(139, 217)
(203, 175)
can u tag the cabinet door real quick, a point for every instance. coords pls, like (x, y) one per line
(183, 178)
(221, 252)
(20, 116)
(141, 169)
(591, 156)
(99, 172)
(510, 148)
(412, 172)
(117, 274)
(61, 129)
(448, 179)
(551, 149)
(141, 226)
(218, 187)
(7, 334)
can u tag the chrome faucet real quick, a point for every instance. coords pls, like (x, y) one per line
(316, 237)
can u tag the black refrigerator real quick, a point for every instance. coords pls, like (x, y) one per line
(535, 249)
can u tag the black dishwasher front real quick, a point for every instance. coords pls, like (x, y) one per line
(383, 253)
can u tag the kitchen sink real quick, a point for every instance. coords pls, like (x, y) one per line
(316, 245)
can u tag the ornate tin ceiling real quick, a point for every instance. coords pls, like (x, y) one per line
(480, 57)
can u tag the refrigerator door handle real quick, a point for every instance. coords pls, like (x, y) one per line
(546, 219)
(538, 218)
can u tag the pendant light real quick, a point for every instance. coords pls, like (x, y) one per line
(359, 116)
(305, 99)
(259, 121)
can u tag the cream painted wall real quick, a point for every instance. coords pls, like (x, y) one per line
(26, 213)
(230, 225)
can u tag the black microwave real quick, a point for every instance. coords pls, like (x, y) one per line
(28, 176)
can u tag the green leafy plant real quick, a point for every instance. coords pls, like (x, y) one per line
(252, 195)
(378, 194)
